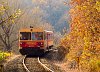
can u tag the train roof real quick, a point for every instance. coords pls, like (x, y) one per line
(34, 30)
(48, 31)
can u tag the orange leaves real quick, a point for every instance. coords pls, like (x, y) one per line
(85, 31)
(77, 1)
(72, 11)
(86, 42)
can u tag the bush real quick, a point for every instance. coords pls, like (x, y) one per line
(93, 65)
(4, 55)
(62, 52)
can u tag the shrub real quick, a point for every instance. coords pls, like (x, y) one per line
(4, 55)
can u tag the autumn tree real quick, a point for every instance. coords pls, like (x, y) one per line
(84, 37)
(34, 17)
(7, 21)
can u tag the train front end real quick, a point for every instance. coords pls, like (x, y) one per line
(31, 41)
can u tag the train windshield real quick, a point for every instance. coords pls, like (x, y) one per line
(25, 35)
(37, 35)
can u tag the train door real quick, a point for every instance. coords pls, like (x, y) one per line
(45, 40)
(48, 39)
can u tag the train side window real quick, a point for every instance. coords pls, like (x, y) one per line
(40, 36)
(47, 36)
(52, 36)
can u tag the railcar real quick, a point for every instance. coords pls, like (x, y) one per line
(35, 41)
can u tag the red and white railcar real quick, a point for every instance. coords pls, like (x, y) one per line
(35, 41)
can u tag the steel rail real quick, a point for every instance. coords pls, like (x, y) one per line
(24, 64)
(44, 65)
(38, 62)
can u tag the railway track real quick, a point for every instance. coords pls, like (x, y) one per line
(24, 65)
(40, 65)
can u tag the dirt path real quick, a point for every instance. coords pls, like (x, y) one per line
(11, 58)
(65, 67)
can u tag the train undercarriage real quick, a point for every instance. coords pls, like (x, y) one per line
(31, 51)
(34, 51)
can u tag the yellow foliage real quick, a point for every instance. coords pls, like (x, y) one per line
(85, 34)
(97, 6)
(13, 21)
(4, 55)
(7, 54)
